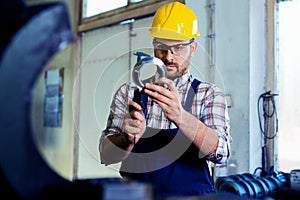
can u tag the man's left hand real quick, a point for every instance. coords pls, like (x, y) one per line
(166, 97)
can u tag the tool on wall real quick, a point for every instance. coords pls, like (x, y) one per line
(269, 114)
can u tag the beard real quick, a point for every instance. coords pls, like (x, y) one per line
(176, 72)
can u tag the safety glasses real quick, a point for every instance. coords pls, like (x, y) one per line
(174, 49)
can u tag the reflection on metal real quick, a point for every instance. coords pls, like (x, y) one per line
(161, 70)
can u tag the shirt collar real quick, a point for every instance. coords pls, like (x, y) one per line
(181, 81)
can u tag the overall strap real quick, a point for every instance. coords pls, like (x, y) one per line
(191, 93)
(141, 98)
(145, 102)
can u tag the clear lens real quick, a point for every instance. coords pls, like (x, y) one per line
(175, 49)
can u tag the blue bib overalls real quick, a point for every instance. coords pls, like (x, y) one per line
(169, 161)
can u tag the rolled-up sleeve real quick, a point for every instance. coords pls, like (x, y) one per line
(116, 116)
(214, 114)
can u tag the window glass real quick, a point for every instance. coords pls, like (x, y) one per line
(94, 7)
(100, 13)
(289, 84)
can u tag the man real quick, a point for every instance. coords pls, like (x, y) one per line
(184, 125)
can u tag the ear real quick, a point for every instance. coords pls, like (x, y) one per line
(194, 47)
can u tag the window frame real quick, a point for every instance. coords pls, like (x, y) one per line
(132, 10)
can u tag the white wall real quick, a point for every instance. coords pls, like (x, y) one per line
(240, 72)
(240, 63)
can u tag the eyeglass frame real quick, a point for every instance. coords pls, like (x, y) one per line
(166, 48)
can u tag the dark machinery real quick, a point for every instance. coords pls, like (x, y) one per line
(41, 35)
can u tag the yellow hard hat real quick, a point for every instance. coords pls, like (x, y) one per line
(175, 21)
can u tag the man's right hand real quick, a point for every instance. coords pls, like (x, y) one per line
(135, 122)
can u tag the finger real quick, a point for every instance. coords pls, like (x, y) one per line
(158, 98)
(163, 105)
(134, 106)
(130, 130)
(138, 115)
(156, 90)
(132, 126)
(167, 82)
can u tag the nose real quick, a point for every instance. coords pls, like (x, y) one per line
(169, 54)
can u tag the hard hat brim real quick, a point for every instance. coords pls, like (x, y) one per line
(169, 34)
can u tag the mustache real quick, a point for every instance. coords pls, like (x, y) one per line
(170, 63)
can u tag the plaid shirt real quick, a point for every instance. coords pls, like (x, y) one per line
(209, 106)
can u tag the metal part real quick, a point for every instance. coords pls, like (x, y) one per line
(161, 70)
